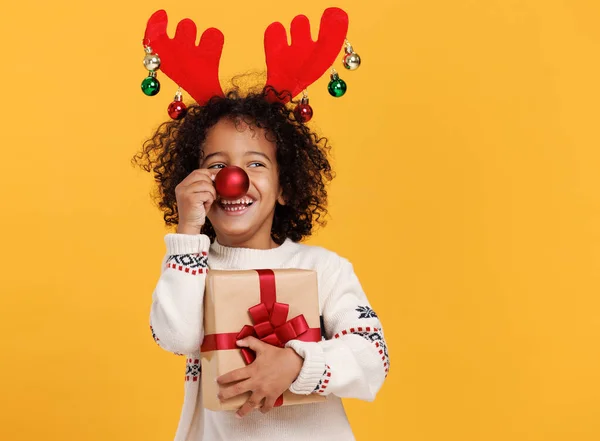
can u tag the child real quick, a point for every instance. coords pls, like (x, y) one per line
(288, 169)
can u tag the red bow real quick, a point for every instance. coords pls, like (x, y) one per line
(271, 327)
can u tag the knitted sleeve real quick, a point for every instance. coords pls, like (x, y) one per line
(176, 315)
(352, 362)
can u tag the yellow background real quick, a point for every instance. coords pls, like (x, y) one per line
(467, 152)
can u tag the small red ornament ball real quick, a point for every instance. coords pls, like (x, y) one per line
(303, 112)
(232, 182)
(176, 110)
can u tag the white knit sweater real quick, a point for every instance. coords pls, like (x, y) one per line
(350, 362)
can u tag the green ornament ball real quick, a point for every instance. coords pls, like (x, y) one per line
(150, 86)
(337, 87)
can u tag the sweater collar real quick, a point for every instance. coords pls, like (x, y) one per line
(223, 257)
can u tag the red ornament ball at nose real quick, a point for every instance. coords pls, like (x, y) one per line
(232, 182)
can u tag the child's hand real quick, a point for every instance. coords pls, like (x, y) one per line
(267, 377)
(195, 195)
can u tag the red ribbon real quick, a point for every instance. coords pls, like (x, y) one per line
(270, 325)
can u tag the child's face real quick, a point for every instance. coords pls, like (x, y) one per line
(250, 219)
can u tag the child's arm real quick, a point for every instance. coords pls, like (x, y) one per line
(176, 316)
(353, 362)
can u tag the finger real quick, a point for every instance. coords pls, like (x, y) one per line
(268, 404)
(233, 390)
(236, 375)
(253, 402)
(210, 172)
(205, 198)
(200, 187)
(190, 191)
(195, 193)
(208, 204)
(201, 184)
(196, 178)
(253, 343)
(199, 174)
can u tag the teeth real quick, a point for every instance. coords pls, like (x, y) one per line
(235, 208)
(239, 201)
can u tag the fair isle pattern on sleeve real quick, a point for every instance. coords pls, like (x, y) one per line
(324, 381)
(156, 339)
(192, 369)
(375, 336)
(189, 263)
(365, 312)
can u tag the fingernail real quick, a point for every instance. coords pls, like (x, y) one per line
(238, 416)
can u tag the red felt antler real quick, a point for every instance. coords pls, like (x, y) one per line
(194, 68)
(294, 67)
(290, 68)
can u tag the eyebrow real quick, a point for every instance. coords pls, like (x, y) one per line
(207, 157)
(259, 154)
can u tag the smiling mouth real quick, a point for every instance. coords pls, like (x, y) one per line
(235, 205)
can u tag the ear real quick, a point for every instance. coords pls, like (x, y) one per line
(280, 198)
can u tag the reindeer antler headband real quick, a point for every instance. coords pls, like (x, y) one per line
(290, 68)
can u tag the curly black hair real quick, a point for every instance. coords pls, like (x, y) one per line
(175, 150)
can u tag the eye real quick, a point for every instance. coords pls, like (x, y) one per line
(256, 164)
(217, 166)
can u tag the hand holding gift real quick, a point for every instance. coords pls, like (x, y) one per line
(267, 377)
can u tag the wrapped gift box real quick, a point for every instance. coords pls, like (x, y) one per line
(273, 305)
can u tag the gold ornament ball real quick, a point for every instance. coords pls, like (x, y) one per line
(151, 62)
(352, 61)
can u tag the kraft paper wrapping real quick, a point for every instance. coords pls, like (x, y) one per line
(228, 296)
